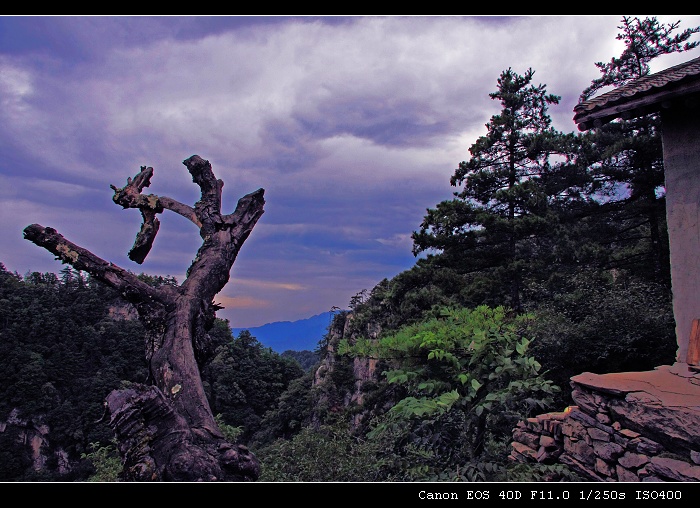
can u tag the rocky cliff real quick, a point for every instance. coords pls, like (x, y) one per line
(31, 439)
(341, 383)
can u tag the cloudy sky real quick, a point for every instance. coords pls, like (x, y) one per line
(352, 125)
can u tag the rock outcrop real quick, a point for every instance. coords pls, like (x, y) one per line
(32, 438)
(332, 393)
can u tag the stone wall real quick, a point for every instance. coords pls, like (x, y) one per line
(625, 427)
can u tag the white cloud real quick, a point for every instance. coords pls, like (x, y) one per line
(353, 129)
(15, 88)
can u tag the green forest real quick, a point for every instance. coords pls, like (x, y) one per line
(550, 259)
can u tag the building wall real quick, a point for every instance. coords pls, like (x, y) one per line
(681, 145)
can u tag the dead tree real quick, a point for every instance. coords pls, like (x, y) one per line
(166, 431)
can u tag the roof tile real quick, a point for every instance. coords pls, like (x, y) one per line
(640, 86)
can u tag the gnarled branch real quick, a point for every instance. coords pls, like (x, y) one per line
(145, 236)
(129, 285)
(130, 196)
(167, 431)
(208, 208)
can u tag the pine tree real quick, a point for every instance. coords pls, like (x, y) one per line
(644, 40)
(499, 227)
(625, 157)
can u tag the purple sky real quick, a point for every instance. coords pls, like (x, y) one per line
(353, 126)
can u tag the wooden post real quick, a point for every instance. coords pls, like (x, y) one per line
(692, 357)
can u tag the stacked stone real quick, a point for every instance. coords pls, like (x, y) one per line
(590, 439)
(538, 439)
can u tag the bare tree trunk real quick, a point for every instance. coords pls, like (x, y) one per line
(166, 431)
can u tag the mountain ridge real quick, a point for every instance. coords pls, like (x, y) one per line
(299, 335)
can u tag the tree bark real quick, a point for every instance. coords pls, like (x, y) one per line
(166, 431)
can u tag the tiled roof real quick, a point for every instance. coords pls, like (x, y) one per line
(626, 98)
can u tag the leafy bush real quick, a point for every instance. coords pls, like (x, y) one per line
(105, 460)
(467, 379)
(330, 453)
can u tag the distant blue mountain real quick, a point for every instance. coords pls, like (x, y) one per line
(281, 336)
